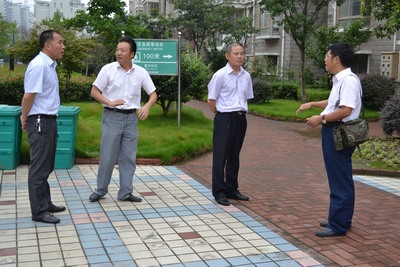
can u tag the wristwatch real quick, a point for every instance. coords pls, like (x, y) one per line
(323, 119)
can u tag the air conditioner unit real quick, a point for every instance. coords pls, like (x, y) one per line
(390, 65)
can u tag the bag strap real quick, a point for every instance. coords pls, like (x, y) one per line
(362, 105)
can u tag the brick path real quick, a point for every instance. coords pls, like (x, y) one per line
(282, 171)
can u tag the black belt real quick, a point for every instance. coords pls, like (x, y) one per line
(240, 113)
(43, 116)
(124, 111)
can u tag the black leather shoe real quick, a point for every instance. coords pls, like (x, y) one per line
(327, 232)
(223, 201)
(238, 196)
(46, 218)
(132, 198)
(325, 225)
(94, 197)
(53, 208)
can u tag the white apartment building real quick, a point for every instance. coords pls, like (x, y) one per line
(16, 13)
(46, 9)
(137, 7)
(378, 56)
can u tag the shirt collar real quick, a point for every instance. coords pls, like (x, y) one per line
(230, 70)
(120, 67)
(47, 59)
(341, 75)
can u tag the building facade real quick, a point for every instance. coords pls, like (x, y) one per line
(137, 7)
(377, 56)
(46, 9)
(17, 13)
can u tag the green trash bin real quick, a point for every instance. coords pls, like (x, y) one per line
(10, 137)
(67, 124)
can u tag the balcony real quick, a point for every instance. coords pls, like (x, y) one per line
(269, 34)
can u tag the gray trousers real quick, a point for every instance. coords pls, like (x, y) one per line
(119, 141)
(42, 147)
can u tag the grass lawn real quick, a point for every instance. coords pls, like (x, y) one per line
(159, 136)
(286, 110)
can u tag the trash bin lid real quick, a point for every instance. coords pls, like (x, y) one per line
(6, 110)
(68, 110)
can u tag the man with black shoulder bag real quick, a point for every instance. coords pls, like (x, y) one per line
(343, 105)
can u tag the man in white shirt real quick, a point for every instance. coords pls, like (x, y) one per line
(40, 105)
(228, 92)
(118, 87)
(343, 104)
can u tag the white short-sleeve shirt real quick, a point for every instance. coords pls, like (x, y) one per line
(231, 91)
(41, 78)
(115, 83)
(349, 86)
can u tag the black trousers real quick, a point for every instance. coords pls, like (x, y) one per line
(42, 145)
(228, 135)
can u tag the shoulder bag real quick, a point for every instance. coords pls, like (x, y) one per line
(351, 133)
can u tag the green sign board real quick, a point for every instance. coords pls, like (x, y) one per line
(158, 57)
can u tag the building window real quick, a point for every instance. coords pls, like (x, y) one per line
(268, 26)
(360, 64)
(153, 7)
(350, 10)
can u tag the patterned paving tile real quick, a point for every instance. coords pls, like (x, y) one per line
(177, 224)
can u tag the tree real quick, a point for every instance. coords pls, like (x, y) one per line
(76, 51)
(327, 35)
(6, 32)
(200, 20)
(194, 78)
(159, 26)
(298, 18)
(242, 28)
(105, 21)
(386, 11)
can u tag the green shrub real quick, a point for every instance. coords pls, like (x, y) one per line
(262, 91)
(11, 90)
(78, 89)
(390, 116)
(384, 151)
(284, 90)
(376, 91)
(315, 94)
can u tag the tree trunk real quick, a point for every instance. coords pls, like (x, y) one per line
(302, 74)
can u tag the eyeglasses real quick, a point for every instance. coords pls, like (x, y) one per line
(328, 55)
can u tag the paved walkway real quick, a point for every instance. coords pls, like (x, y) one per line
(282, 170)
(179, 224)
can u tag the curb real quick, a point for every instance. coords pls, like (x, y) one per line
(374, 172)
(139, 161)
(157, 162)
